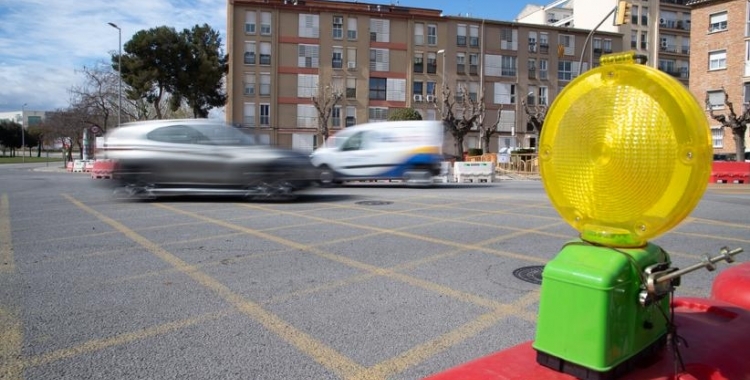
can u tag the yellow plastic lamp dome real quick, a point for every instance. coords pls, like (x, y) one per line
(625, 152)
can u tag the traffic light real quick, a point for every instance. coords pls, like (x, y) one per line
(622, 14)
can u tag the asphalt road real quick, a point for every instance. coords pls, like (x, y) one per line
(369, 281)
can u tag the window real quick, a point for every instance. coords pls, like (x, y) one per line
(336, 116)
(337, 57)
(431, 34)
(543, 96)
(531, 96)
(351, 57)
(338, 27)
(634, 15)
(473, 35)
(565, 70)
(351, 116)
(568, 43)
(265, 84)
(307, 85)
(307, 116)
(419, 33)
(380, 30)
(644, 40)
(377, 114)
(379, 60)
(461, 35)
(543, 42)
(532, 68)
(249, 84)
(543, 69)
(265, 23)
(378, 88)
(597, 45)
(250, 20)
(717, 22)
(309, 25)
(473, 63)
(532, 42)
(505, 93)
(248, 117)
(417, 88)
(461, 63)
(634, 39)
(508, 39)
(717, 60)
(265, 53)
(308, 56)
(351, 28)
(396, 90)
(265, 115)
(431, 63)
(473, 90)
(249, 53)
(493, 65)
(746, 93)
(431, 88)
(419, 62)
(644, 16)
(509, 64)
(715, 99)
(717, 136)
(607, 44)
(351, 88)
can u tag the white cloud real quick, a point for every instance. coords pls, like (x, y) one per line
(43, 44)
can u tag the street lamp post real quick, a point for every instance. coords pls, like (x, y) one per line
(119, 70)
(23, 132)
(442, 109)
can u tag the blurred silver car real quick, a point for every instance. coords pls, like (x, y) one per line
(202, 157)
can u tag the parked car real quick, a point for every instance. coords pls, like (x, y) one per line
(202, 157)
(411, 151)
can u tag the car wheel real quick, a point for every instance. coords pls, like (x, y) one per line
(327, 177)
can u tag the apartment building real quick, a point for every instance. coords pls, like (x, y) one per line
(657, 29)
(720, 60)
(384, 57)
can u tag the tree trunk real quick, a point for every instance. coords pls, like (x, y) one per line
(460, 147)
(739, 146)
(486, 142)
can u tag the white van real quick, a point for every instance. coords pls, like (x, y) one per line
(404, 150)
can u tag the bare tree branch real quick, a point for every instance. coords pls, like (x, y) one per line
(738, 125)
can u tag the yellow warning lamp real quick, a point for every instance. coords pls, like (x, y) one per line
(625, 152)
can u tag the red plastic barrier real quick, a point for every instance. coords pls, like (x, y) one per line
(732, 285)
(69, 166)
(730, 172)
(102, 169)
(717, 335)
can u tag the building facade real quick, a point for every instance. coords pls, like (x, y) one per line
(384, 57)
(657, 29)
(720, 61)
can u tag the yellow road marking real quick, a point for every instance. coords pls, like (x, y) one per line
(326, 356)
(428, 349)
(100, 344)
(7, 264)
(11, 341)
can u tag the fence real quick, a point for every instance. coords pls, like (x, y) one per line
(521, 163)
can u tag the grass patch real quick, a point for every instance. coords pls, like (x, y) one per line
(19, 159)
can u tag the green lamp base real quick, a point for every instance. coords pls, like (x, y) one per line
(591, 323)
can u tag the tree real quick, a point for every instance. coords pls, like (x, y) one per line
(10, 135)
(324, 101)
(460, 122)
(486, 132)
(200, 84)
(738, 124)
(404, 114)
(98, 95)
(188, 65)
(536, 115)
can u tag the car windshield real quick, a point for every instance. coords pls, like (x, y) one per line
(227, 135)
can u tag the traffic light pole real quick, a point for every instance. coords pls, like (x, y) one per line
(588, 38)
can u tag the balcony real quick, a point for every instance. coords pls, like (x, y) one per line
(431, 68)
(473, 69)
(337, 63)
(532, 73)
(544, 48)
(460, 68)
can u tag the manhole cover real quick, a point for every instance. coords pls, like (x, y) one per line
(373, 203)
(532, 274)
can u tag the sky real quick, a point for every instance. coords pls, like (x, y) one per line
(44, 44)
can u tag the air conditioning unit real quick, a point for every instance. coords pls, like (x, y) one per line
(662, 22)
(664, 44)
(417, 98)
(430, 98)
(351, 65)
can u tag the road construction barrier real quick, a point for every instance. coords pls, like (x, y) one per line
(69, 166)
(473, 172)
(446, 173)
(730, 172)
(102, 169)
(79, 166)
